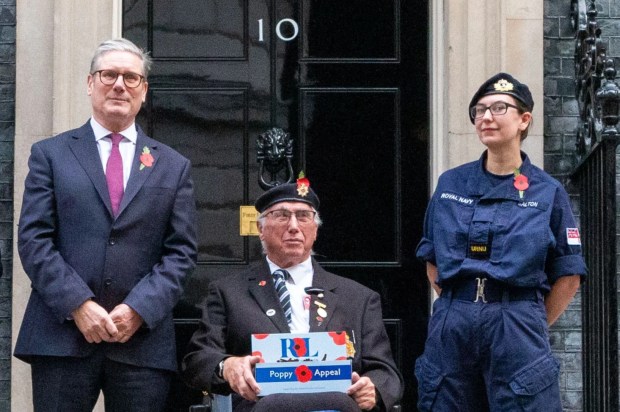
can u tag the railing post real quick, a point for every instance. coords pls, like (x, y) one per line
(599, 105)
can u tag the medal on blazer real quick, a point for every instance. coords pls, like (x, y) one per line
(350, 347)
(321, 309)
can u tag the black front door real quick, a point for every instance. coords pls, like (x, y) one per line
(348, 80)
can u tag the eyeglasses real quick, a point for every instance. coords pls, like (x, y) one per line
(108, 77)
(283, 216)
(497, 109)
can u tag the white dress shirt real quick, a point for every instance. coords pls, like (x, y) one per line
(127, 146)
(301, 278)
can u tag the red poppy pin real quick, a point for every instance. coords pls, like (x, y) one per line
(303, 184)
(521, 182)
(146, 158)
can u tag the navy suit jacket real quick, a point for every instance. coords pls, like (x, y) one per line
(237, 306)
(73, 249)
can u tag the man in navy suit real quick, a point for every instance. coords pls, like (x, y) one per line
(219, 356)
(107, 236)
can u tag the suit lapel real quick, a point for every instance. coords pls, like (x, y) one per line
(322, 310)
(262, 289)
(139, 176)
(84, 147)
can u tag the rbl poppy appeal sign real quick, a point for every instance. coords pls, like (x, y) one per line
(303, 363)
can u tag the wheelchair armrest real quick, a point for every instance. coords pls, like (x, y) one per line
(205, 406)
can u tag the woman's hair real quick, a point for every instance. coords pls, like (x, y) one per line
(522, 108)
(123, 45)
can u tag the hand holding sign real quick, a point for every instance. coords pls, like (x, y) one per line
(239, 375)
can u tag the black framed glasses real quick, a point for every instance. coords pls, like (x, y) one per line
(283, 216)
(131, 80)
(497, 109)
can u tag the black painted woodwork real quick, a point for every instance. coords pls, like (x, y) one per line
(351, 89)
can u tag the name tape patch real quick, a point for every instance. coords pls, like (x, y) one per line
(457, 198)
(479, 251)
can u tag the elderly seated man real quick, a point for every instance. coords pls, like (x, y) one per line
(219, 357)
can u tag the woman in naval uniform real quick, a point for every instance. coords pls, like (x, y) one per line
(503, 253)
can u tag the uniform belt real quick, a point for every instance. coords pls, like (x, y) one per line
(488, 290)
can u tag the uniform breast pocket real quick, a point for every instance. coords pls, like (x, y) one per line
(452, 229)
(526, 240)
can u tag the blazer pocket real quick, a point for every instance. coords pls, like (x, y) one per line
(157, 191)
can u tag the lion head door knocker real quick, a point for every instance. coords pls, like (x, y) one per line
(274, 152)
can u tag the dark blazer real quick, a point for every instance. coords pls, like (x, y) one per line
(236, 307)
(73, 249)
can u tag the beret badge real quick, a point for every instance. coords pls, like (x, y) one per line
(503, 85)
(299, 191)
(303, 185)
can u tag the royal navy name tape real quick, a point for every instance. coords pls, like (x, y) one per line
(457, 198)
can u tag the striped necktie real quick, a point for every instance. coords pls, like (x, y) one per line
(280, 276)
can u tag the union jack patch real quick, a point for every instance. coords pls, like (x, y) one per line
(572, 236)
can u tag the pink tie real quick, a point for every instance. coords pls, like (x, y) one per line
(114, 174)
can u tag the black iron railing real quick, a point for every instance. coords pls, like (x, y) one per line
(597, 139)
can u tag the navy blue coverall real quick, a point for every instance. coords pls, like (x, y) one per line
(492, 243)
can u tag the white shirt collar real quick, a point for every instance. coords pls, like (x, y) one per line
(130, 133)
(298, 272)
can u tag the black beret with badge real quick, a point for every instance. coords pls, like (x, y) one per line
(503, 83)
(288, 192)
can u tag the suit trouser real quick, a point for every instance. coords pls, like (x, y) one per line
(71, 384)
(488, 356)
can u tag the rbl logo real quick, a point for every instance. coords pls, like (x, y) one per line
(296, 347)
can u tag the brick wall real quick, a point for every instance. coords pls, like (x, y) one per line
(7, 132)
(561, 122)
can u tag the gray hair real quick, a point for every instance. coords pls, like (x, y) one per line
(263, 216)
(123, 45)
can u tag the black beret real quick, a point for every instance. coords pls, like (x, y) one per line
(503, 83)
(288, 192)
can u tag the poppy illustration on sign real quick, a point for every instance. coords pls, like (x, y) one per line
(300, 347)
(303, 373)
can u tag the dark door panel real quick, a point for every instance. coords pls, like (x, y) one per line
(348, 80)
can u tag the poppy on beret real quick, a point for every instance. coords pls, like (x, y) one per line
(288, 192)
